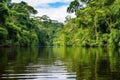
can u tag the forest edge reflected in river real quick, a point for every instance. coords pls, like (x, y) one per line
(61, 63)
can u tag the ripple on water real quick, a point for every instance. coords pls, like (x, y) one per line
(57, 71)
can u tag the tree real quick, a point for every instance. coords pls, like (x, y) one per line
(98, 17)
(74, 6)
(3, 12)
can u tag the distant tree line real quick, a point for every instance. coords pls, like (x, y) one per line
(20, 27)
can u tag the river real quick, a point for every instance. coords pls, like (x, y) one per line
(59, 63)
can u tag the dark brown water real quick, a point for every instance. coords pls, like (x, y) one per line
(59, 64)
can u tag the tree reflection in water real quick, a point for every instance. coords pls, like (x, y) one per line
(62, 63)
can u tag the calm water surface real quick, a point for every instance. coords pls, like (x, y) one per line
(59, 64)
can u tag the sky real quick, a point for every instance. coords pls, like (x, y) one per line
(55, 9)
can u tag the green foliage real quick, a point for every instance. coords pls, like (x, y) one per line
(22, 28)
(74, 6)
(12, 28)
(97, 23)
(3, 32)
(3, 35)
(3, 12)
(114, 38)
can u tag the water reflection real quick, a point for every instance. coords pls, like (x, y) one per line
(59, 64)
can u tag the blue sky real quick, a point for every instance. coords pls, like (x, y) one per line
(53, 5)
(55, 9)
(58, 4)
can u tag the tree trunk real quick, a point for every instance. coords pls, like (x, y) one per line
(96, 33)
(110, 25)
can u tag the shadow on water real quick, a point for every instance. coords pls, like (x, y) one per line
(59, 63)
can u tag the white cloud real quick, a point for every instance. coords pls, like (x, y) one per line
(54, 13)
(38, 2)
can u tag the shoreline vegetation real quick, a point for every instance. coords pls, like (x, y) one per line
(97, 24)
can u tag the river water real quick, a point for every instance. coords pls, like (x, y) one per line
(59, 63)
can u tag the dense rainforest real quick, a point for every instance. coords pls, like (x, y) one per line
(97, 23)
(20, 27)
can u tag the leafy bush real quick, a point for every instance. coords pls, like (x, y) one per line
(3, 34)
(114, 37)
